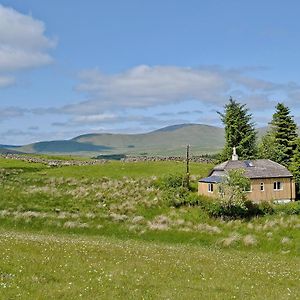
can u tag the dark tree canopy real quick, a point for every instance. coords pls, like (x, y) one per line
(295, 165)
(239, 131)
(280, 141)
(285, 132)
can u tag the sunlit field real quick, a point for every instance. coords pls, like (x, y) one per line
(35, 266)
(110, 231)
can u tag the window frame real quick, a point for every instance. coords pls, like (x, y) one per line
(210, 187)
(262, 186)
(277, 184)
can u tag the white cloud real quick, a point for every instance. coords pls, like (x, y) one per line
(149, 96)
(23, 43)
(145, 86)
(89, 119)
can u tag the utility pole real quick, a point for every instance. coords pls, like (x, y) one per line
(187, 166)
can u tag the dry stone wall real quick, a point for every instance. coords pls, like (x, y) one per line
(59, 163)
(53, 162)
(199, 159)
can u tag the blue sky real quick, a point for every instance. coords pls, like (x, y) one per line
(72, 67)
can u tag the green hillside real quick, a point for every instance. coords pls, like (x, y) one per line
(170, 140)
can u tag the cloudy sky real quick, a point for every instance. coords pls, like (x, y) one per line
(71, 67)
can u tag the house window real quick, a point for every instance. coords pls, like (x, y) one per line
(278, 186)
(210, 187)
(262, 186)
(248, 188)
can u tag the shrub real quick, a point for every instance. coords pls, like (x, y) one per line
(176, 196)
(227, 209)
(292, 208)
(265, 208)
(172, 181)
(235, 209)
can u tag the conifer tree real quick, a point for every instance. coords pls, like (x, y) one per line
(269, 149)
(295, 165)
(283, 134)
(239, 131)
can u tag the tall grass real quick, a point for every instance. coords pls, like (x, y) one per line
(138, 206)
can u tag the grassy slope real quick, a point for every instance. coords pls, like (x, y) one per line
(166, 141)
(202, 138)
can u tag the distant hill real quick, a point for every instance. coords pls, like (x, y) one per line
(9, 151)
(8, 146)
(170, 140)
(64, 146)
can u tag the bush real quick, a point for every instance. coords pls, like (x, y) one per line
(292, 208)
(237, 209)
(265, 208)
(172, 181)
(225, 209)
(176, 196)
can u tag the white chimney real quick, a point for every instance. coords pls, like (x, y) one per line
(234, 155)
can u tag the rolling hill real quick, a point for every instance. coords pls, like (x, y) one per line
(170, 140)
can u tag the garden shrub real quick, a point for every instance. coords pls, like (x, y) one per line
(265, 208)
(292, 208)
(236, 209)
(226, 209)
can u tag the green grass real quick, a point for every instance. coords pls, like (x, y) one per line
(35, 266)
(112, 169)
(107, 232)
(115, 169)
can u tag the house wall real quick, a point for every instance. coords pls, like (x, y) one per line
(203, 189)
(286, 193)
(256, 195)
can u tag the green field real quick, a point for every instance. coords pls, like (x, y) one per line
(35, 266)
(109, 232)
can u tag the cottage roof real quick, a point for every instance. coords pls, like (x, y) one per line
(212, 179)
(260, 168)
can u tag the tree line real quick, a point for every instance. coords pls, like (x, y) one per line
(280, 143)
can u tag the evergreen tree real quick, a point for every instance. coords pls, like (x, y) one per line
(283, 133)
(295, 165)
(239, 131)
(269, 149)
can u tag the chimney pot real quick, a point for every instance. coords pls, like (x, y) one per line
(234, 155)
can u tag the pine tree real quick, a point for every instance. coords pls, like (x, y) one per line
(295, 165)
(239, 131)
(269, 149)
(284, 130)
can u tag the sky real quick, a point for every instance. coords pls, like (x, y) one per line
(73, 67)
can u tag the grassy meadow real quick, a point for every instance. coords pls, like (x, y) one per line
(109, 231)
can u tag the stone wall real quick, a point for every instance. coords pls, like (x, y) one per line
(53, 162)
(199, 159)
(59, 163)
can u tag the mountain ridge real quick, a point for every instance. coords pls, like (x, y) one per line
(169, 140)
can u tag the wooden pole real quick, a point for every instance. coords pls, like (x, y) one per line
(187, 166)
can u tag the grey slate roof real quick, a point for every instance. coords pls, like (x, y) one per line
(212, 179)
(260, 168)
